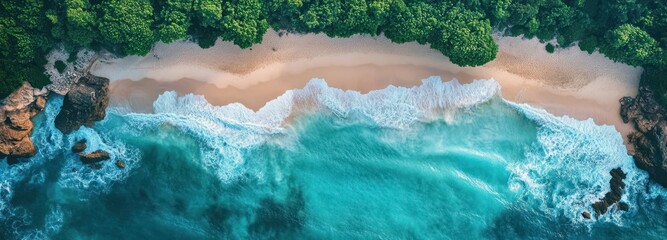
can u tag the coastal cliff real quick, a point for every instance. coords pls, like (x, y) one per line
(650, 139)
(16, 126)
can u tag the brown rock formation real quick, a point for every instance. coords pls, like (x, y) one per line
(650, 140)
(15, 125)
(85, 103)
(586, 215)
(120, 164)
(80, 146)
(94, 157)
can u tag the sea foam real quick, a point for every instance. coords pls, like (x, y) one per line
(566, 170)
(226, 132)
(578, 154)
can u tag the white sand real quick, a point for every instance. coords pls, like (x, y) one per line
(568, 82)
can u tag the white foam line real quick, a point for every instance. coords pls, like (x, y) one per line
(577, 153)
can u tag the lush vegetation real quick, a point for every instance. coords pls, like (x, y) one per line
(60, 66)
(550, 48)
(630, 31)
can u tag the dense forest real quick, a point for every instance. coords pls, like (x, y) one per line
(629, 31)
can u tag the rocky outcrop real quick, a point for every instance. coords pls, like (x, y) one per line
(16, 126)
(586, 215)
(94, 157)
(79, 146)
(650, 140)
(614, 196)
(85, 103)
(120, 164)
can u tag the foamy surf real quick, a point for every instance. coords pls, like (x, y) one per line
(557, 164)
(580, 153)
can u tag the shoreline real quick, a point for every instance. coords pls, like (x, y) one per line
(569, 82)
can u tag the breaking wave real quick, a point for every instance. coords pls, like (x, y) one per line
(562, 172)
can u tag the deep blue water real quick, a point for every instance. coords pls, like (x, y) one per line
(439, 161)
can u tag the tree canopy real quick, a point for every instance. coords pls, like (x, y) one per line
(125, 26)
(633, 46)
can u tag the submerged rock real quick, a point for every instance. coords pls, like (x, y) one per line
(650, 140)
(614, 196)
(96, 166)
(94, 157)
(80, 146)
(85, 103)
(12, 160)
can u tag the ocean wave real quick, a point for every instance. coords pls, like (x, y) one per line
(52, 146)
(51, 142)
(579, 154)
(390, 107)
(10, 175)
(225, 133)
(75, 175)
(566, 170)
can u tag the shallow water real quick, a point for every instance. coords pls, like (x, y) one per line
(439, 161)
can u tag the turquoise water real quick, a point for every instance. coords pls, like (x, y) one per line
(438, 161)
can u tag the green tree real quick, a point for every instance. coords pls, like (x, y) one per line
(208, 12)
(24, 38)
(399, 27)
(521, 12)
(497, 10)
(354, 18)
(589, 44)
(320, 15)
(417, 22)
(81, 22)
(632, 45)
(125, 26)
(465, 38)
(243, 22)
(554, 16)
(550, 48)
(173, 20)
(378, 12)
(283, 14)
(206, 18)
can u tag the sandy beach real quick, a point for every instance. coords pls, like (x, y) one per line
(568, 82)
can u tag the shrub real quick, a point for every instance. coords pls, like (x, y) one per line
(60, 66)
(550, 48)
(72, 57)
